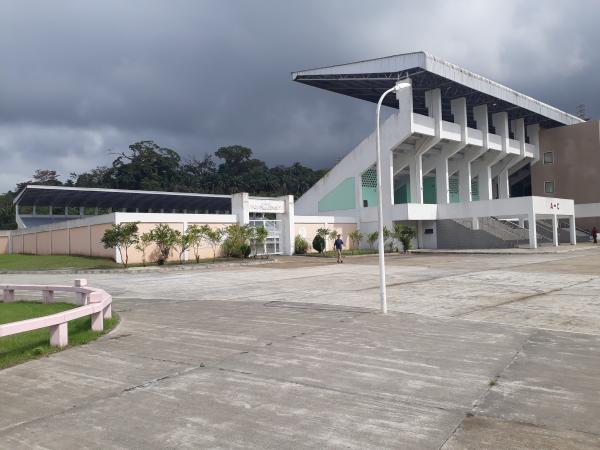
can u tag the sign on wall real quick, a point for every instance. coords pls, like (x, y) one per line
(266, 205)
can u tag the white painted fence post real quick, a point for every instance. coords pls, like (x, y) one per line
(59, 335)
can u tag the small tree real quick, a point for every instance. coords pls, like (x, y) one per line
(372, 238)
(183, 244)
(196, 236)
(405, 235)
(323, 233)
(213, 237)
(258, 236)
(166, 238)
(387, 238)
(356, 236)
(122, 236)
(143, 243)
(333, 235)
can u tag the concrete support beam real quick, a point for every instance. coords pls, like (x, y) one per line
(442, 183)
(555, 230)
(433, 101)
(480, 114)
(517, 126)
(533, 132)
(464, 180)
(572, 230)
(240, 207)
(500, 123)
(532, 231)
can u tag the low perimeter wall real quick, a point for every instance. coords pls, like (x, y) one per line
(307, 226)
(83, 236)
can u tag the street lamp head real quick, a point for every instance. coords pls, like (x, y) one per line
(401, 85)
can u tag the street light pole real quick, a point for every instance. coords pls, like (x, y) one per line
(381, 247)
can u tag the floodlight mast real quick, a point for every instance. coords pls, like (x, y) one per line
(381, 244)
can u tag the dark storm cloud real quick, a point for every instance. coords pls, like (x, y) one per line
(80, 77)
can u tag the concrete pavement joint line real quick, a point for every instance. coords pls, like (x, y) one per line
(163, 378)
(422, 404)
(523, 298)
(89, 403)
(485, 393)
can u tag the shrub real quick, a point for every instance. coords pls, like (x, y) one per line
(246, 250)
(324, 233)
(356, 236)
(372, 238)
(237, 240)
(166, 238)
(122, 236)
(405, 235)
(318, 243)
(300, 245)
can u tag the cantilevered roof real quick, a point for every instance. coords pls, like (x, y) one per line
(367, 80)
(60, 196)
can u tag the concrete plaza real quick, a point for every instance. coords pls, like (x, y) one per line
(479, 351)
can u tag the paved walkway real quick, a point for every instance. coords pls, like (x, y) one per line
(480, 351)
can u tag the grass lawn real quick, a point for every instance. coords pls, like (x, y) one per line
(34, 344)
(48, 262)
(44, 262)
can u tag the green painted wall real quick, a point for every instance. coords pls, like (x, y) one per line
(429, 194)
(401, 194)
(343, 196)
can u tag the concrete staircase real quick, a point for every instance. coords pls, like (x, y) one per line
(492, 233)
(544, 228)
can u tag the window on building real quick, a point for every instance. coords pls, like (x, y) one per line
(549, 187)
(548, 157)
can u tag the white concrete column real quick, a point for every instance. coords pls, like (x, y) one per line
(405, 103)
(533, 132)
(485, 182)
(532, 231)
(475, 223)
(522, 222)
(416, 179)
(572, 230)
(555, 230)
(480, 114)
(442, 183)
(517, 126)
(81, 211)
(464, 180)
(240, 207)
(503, 184)
(500, 122)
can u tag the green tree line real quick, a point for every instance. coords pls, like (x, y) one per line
(148, 166)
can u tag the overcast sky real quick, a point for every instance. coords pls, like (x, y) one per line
(78, 78)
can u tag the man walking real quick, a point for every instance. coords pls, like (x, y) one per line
(339, 245)
(595, 234)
